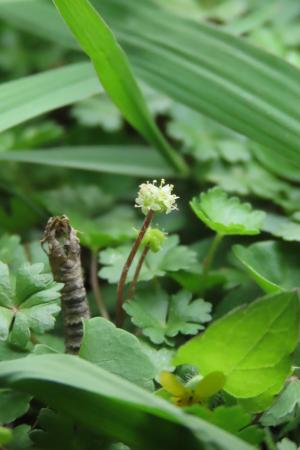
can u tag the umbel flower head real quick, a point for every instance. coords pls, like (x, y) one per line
(157, 198)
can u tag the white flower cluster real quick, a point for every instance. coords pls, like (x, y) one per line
(158, 198)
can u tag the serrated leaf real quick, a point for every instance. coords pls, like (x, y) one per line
(273, 265)
(285, 406)
(13, 404)
(233, 419)
(171, 258)
(227, 215)
(29, 302)
(11, 251)
(116, 351)
(162, 318)
(98, 111)
(286, 444)
(251, 345)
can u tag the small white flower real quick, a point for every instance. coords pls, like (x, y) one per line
(152, 197)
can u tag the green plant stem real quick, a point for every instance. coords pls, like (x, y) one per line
(123, 277)
(96, 287)
(211, 253)
(137, 272)
(270, 444)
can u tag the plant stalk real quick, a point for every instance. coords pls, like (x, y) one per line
(127, 265)
(137, 272)
(211, 253)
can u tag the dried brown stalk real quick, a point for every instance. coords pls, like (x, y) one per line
(63, 250)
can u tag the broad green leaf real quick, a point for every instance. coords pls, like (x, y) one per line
(251, 345)
(233, 419)
(133, 161)
(28, 303)
(116, 351)
(162, 318)
(13, 404)
(31, 96)
(171, 258)
(285, 406)
(111, 405)
(114, 72)
(273, 265)
(226, 215)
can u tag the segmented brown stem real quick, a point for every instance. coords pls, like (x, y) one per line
(63, 250)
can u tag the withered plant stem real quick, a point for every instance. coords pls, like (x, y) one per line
(63, 250)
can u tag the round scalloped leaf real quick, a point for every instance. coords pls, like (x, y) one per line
(227, 215)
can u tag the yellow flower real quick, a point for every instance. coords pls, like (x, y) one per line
(197, 390)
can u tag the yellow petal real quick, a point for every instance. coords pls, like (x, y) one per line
(172, 384)
(209, 385)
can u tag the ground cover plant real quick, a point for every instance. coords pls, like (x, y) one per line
(149, 224)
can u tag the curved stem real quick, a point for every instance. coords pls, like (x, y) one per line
(123, 277)
(137, 272)
(96, 287)
(211, 253)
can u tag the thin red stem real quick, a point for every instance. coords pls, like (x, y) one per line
(127, 265)
(137, 272)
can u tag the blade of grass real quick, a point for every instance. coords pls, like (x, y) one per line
(115, 73)
(123, 160)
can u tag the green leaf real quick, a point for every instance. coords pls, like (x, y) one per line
(171, 258)
(20, 439)
(251, 345)
(116, 351)
(111, 405)
(233, 419)
(282, 227)
(134, 161)
(31, 96)
(57, 431)
(273, 265)
(5, 435)
(161, 318)
(285, 406)
(98, 111)
(11, 251)
(28, 303)
(114, 72)
(286, 444)
(13, 404)
(226, 215)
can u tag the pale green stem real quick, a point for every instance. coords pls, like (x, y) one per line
(211, 253)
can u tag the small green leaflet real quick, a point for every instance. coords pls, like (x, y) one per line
(116, 351)
(273, 265)
(286, 444)
(13, 404)
(285, 406)
(233, 419)
(28, 302)
(251, 345)
(227, 215)
(282, 227)
(162, 318)
(171, 258)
